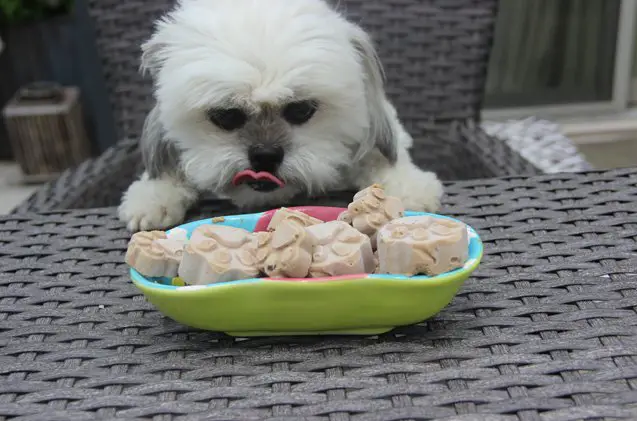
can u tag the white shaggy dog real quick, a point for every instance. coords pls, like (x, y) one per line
(287, 89)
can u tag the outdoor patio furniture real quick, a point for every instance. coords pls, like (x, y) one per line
(541, 142)
(544, 330)
(435, 53)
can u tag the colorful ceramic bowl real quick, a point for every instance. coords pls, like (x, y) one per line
(352, 305)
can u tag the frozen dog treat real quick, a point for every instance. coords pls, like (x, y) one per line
(346, 217)
(339, 250)
(178, 234)
(422, 245)
(263, 246)
(290, 251)
(154, 254)
(367, 191)
(372, 209)
(217, 253)
(376, 263)
(285, 213)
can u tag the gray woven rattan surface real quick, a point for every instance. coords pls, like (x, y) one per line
(544, 331)
(463, 152)
(435, 53)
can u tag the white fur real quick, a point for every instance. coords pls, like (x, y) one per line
(155, 204)
(258, 52)
(419, 190)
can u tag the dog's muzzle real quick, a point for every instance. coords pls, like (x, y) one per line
(265, 162)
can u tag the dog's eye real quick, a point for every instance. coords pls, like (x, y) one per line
(228, 119)
(300, 112)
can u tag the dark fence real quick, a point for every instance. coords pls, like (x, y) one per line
(60, 49)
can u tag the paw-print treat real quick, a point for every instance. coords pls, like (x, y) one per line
(154, 254)
(178, 234)
(422, 245)
(263, 246)
(372, 209)
(286, 214)
(218, 253)
(340, 250)
(290, 251)
(345, 217)
(371, 236)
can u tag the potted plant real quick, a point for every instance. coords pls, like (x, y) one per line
(13, 11)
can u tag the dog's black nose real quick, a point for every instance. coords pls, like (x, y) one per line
(265, 158)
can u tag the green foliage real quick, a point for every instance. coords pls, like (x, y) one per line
(16, 11)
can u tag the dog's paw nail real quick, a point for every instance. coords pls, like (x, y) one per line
(133, 226)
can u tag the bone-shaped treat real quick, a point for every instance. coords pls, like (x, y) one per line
(290, 251)
(371, 210)
(285, 214)
(218, 253)
(340, 250)
(422, 245)
(154, 254)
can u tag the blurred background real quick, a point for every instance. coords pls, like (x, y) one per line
(572, 62)
(570, 65)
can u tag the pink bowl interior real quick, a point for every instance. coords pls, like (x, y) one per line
(325, 214)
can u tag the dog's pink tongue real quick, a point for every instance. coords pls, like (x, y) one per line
(249, 175)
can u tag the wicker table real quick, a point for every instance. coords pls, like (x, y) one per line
(545, 330)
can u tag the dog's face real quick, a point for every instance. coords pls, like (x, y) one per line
(286, 87)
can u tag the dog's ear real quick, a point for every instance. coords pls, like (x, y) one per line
(160, 156)
(381, 131)
(152, 52)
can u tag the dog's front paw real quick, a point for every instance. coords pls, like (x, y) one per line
(420, 191)
(153, 205)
